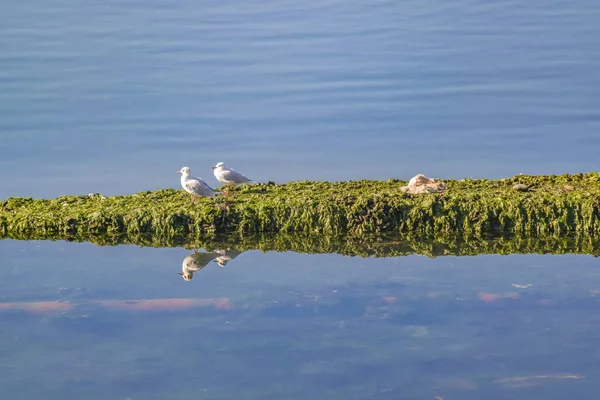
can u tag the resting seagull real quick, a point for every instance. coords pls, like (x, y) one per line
(228, 176)
(195, 186)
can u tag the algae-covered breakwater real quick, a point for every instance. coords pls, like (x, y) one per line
(552, 204)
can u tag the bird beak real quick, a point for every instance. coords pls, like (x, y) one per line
(214, 167)
(178, 172)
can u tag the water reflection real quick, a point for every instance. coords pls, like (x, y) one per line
(321, 326)
(376, 245)
(226, 256)
(199, 260)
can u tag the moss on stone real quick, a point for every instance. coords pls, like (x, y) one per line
(553, 205)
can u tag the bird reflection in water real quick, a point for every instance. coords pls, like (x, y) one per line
(198, 260)
(226, 256)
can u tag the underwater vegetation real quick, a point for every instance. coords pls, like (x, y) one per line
(523, 205)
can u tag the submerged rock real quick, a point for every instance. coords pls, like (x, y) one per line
(420, 184)
(519, 187)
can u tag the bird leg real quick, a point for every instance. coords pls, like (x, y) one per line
(194, 199)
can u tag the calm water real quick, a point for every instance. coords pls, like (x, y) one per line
(273, 325)
(114, 97)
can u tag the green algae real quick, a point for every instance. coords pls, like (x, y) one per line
(553, 205)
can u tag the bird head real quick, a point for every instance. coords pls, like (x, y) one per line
(188, 275)
(184, 171)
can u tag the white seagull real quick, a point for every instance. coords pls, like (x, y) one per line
(195, 186)
(228, 176)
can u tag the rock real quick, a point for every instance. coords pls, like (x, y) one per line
(420, 184)
(568, 188)
(423, 189)
(519, 187)
(419, 180)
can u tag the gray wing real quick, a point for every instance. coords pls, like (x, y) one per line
(199, 187)
(230, 254)
(197, 261)
(226, 255)
(231, 175)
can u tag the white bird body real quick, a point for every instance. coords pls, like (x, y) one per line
(229, 176)
(195, 186)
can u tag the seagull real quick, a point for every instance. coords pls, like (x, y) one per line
(228, 176)
(195, 186)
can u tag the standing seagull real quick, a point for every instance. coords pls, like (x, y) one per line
(228, 176)
(195, 186)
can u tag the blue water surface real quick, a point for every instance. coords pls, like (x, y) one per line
(82, 321)
(116, 96)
